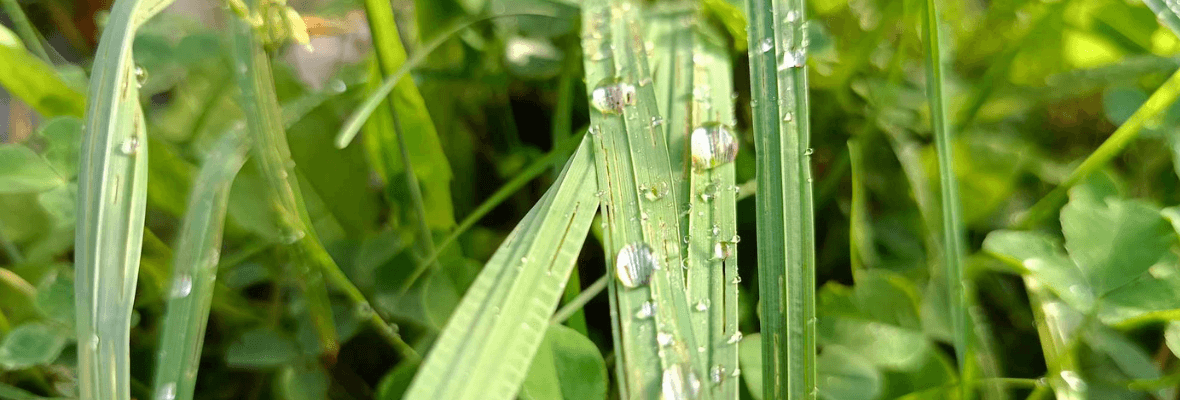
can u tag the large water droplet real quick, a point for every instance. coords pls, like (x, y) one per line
(612, 95)
(655, 191)
(793, 58)
(679, 383)
(712, 145)
(664, 339)
(167, 391)
(130, 145)
(722, 250)
(736, 337)
(792, 16)
(634, 264)
(702, 305)
(182, 286)
(717, 373)
(141, 76)
(766, 45)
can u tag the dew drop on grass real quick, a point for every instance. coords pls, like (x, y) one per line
(657, 121)
(654, 191)
(712, 145)
(788, 116)
(702, 305)
(612, 95)
(634, 264)
(130, 145)
(792, 16)
(766, 45)
(646, 310)
(182, 286)
(722, 250)
(809, 151)
(679, 383)
(793, 58)
(140, 76)
(717, 373)
(664, 339)
(337, 86)
(167, 392)
(735, 338)
(1073, 380)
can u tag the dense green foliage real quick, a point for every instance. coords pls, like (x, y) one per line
(540, 199)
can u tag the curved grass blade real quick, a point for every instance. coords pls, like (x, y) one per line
(112, 196)
(195, 269)
(652, 328)
(953, 231)
(786, 232)
(492, 336)
(692, 75)
(265, 123)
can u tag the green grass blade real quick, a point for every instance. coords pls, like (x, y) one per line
(25, 29)
(112, 196)
(490, 339)
(1166, 12)
(693, 81)
(195, 269)
(654, 340)
(786, 237)
(35, 82)
(264, 121)
(1156, 105)
(953, 231)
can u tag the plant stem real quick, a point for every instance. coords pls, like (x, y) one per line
(25, 29)
(577, 303)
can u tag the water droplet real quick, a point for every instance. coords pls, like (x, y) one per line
(794, 58)
(736, 280)
(655, 191)
(94, 342)
(593, 130)
(716, 230)
(722, 250)
(735, 239)
(679, 383)
(612, 95)
(657, 121)
(364, 311)
(687, 239)
(766, 45)
(293, 236)
(736, 372)
(141, 76)
(664, 339)
(634, 264)
(167, 392)
(130, 145)
(337, 86)
(712, 145)
(182, 286)
(792, 16)
(717, 373)
(646, 310)
(702, 305)
(736, 337)
(809, 151)
(788, 116)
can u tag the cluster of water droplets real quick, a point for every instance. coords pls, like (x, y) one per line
(712, 144)
(635, 263)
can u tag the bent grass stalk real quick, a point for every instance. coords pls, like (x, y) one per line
(112, 197)
(195, 269)
(493, 334)
(786, 238)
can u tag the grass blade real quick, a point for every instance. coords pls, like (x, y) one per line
(786, 237)
(112, 196)
(953, 231)
(264, 120)
(692, 75)
(1166, 12)
(195, 269)
(653, 335)
(25, 29)
(492, 335)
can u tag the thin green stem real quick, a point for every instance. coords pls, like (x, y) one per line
(25, 29)
(577, 303)
(1155, 105)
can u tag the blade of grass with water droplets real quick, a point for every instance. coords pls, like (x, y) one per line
(953, 231)
(492, 336)
(264, 121)
(651, 319)
(195, 269)
(112, 197)
(1167, 12)
(786, 232)
(692, 75)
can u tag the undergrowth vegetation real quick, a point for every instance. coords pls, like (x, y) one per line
(589, 200)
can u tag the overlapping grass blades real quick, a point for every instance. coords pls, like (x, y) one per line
(786, 238)
(195, 269)
(953, 231)
(112, 195)
(652, 327)
(273, 156)
(693, 81)
(485, 350)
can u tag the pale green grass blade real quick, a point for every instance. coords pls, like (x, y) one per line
(112, 196)
(693, 82)
(786, 232)
(35, 82)
(655, 346)
(195, 269)
(485, 350)
(953, 231)
(264, 121)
